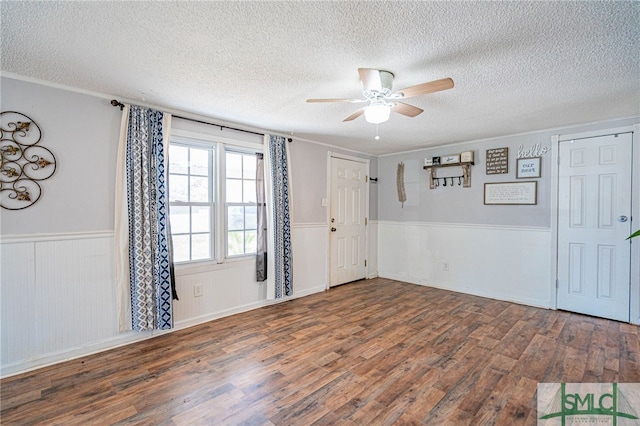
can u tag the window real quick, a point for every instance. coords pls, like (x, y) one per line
(241, 203)
(210, 221)
(191, 201)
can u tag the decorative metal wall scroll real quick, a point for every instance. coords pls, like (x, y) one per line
(24, 163)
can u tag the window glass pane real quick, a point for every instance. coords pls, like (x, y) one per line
(235, 243)
(235, 217)
(233, 162)
(200, 246)
(250, 217)
(234, 191)
(199, 189)
(250, 241)
(180, 247)
(179, 217)
(249, 166)
(199, 162)
(178, 159)
(178, 188)
(192, 196)
(200, 219)
(249, 191)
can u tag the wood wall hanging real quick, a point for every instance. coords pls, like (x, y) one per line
(463, 160)
(402, 193)
(497, 162)
(24, 163)
(514, 193)
(528, 168)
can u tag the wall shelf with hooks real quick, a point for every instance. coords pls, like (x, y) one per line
(463, 160)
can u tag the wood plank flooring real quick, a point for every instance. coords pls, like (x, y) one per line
(375, 352)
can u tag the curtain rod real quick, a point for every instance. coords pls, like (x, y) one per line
(117, 103)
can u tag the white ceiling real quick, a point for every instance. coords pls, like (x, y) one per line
(517, 66)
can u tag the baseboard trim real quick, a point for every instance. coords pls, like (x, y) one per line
(130, 337)
(520, 301)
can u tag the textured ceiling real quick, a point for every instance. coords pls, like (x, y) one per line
(517, 66)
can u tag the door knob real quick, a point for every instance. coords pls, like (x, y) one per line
(333, 229)
(622, 219)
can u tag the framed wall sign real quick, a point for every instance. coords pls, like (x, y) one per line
(497, 161)
(528, 168)
(505, 193)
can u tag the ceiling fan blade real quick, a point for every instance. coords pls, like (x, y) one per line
(370, 79)
(353, 101)
(406, 109)
(425, 88)
(355, 115)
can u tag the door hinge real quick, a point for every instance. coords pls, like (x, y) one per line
(365, 262)
(366, 178)
(557, 283)
(365, 222)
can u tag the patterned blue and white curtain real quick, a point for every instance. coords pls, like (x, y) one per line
(280, 222)
(143, 250)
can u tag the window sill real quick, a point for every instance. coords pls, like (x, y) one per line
(195, 267)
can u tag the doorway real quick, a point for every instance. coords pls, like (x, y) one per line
(348, 211)
(594, 220)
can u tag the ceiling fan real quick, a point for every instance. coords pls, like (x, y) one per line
(377, 92)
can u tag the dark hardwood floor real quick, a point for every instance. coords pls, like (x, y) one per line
(373, 352)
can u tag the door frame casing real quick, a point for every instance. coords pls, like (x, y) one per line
(330, 156)
(634, 291)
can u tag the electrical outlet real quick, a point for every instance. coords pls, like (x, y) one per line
(445, 266)
(197, 290)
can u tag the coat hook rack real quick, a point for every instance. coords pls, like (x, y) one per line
(463, 160)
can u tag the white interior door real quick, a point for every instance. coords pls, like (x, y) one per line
(594, 220)
(348, 209)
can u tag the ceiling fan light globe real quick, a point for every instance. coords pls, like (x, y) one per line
(377, 114)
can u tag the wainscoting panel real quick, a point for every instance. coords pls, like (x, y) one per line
(372, 258)
(504, 263)
(310, 258)
(17, 294)
(227, 289)
(58, 297)
(75, 291)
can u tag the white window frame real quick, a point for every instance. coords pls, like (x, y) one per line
(220, 146)
(212, 203)
(242, 151)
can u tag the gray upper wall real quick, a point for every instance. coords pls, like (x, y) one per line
(82, 131)
(466, 205)
(309, 177)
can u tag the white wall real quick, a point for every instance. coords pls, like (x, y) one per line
(499, 262)
(58, 299)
